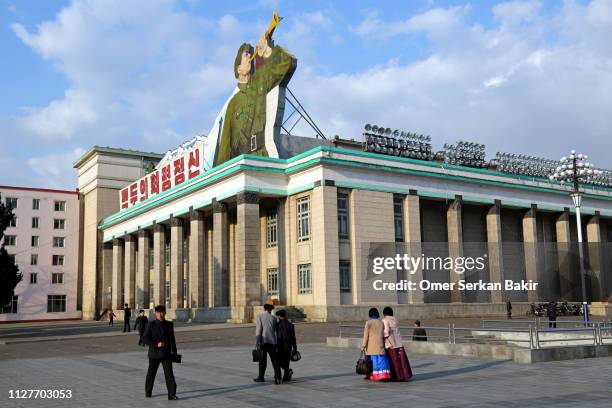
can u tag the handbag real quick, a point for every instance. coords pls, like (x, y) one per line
(295, 355)
(176, 358)
(364, 364)
(259, 354)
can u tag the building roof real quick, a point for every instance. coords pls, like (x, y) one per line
(115, 151)
(45, 190)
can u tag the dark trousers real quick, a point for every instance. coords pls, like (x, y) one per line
(284, 359)
(126, 325)
(270, 350)
(168, 374)
(509, 315)
(140, 342)
(110, 323)
(552, 323)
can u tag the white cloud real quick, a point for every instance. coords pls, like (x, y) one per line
(507, 86)
(514, 12)
(51, 170)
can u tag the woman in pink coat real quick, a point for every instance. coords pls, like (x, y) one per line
(400, 366)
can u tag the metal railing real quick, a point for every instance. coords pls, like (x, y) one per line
(538, 322)
(597, 332)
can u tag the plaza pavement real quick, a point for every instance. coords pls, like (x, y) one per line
(222, 377)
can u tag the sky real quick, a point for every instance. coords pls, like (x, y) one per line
(531, 77)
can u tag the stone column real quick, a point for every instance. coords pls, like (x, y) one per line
(220, 247)
(533, 253)
(412, 237)
(210, 268)
(494, 245)
(130, 271)
(117, 286)
(143, 270)
(455, 242)
(107, 276)
(247, 249)
(564, 253)
(159, 265)
(176, 263)
(197, 267)
(596, 260)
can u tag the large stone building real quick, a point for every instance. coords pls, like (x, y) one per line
(300, 229)
(44, 239)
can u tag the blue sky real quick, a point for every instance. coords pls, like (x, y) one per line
(521, 76)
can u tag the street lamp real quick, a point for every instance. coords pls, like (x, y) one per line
(575, 169)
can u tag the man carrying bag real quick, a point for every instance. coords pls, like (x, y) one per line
(265, 334)
(159, 336)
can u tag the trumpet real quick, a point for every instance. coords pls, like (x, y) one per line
(276, 19)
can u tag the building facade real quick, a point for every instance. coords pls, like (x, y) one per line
(300, 230)
(44, 238)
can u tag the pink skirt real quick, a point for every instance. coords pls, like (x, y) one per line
(400, 366)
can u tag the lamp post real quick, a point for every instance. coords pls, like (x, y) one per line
(575, 169)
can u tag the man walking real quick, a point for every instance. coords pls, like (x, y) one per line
(286, 344)
(127, 315)
(551, 311)
(509, 308)
(265, 334)
(141, 325)
(159, 336)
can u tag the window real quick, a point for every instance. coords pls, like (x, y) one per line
(10, 307)
(60, 206)
(151, 258)
(167, 294)
(11, 202)
(271, 231)
(185, 291)
(167, 253)
(13, 221)
(345, 276)
(398, 216)
(36, 204)
(303, 219)
(35, 240)
(33, 259)
(58, 242)
(33, 278)
(58, 260)
(56, 303)
(151, 293)
(304, 279)
(273, 282)
(57, 278)
(185, 250)
(35, 222)
(10, 240)
(343, 216)
(59, 223)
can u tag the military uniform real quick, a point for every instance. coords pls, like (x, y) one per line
(245, 118)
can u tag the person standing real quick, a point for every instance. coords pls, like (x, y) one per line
(141, 325)
(111, 318)
(159, 336)
(551, 311)
(509, 308)
(373, 344)
(265, 335)
(127, 315)
(400, 366)
(286, 344)
(418, 333)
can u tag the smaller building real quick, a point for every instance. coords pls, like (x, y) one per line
(44, 238)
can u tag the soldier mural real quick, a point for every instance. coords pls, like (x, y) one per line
(252, 115)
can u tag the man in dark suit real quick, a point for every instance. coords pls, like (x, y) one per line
(418, 333)
(127, 315)
(159, 336)
(286, 343)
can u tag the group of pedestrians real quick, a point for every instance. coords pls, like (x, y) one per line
(276, 337)
(382, 343)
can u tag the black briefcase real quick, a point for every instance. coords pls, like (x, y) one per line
(259, 355)
(176, 358)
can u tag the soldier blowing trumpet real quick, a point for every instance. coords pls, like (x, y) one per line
(258, 71)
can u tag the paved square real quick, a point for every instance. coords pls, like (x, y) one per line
(222, 377)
